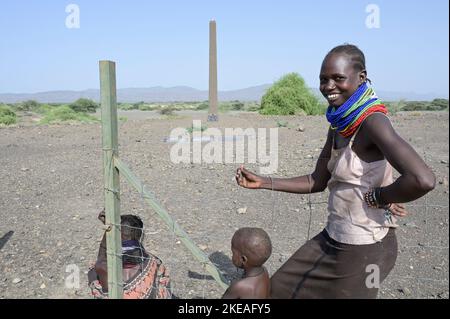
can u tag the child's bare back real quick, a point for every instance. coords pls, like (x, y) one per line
(251, 247)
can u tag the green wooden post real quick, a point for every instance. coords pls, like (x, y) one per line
(111, 177)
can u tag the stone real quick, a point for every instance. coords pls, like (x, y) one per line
(242, 210)
(405, 291)
(444, 181)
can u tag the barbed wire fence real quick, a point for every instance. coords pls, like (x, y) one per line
(176, 260)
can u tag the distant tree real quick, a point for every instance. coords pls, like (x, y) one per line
(84, 106)
(203, 105)
(28, 105)
(289, 96)
(438, 104)
(138, 105)
(237, 105)
(416, 106)
(166, 110)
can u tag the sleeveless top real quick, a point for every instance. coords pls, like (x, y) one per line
(350, 220)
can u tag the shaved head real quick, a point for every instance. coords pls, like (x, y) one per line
(254, 243)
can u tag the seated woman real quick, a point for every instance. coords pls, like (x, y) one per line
(144, 275)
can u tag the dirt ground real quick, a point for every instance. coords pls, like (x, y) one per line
(52, 190)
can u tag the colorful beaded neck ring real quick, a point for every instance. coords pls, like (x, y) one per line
(347, 118)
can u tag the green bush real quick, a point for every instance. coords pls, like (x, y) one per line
(224, 106)
(394, 107)
(166, 110)
(7, 116)
(289, 96)
(84, 106)
(438, 105)
(29, 105)
(126, 106)
(416, 106)
(203, 106)
(147, 107)
(44, 108)
(138, 105)
(253, 107)
(65, 113)
(237, 105)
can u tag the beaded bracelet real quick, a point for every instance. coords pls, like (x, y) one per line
(369, 198)
(372, 199)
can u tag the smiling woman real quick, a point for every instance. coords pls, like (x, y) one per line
(358, 247)
(342, 74)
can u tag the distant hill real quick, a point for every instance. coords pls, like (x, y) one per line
(181, 93)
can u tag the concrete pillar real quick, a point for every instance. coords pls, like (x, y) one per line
(213, 100)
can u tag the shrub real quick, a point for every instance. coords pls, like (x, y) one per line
(438, 104)
(126, 106)
(147, 107)
(289, 96)
(65, 113)
(394, 107)
(44, 108)
(84, 106)
(224, 106)
(138, 105)
(416, 106)
(203, 106)
(7, 116)
(29, 105)
(237, 105)
(253, 107)
(166, 111)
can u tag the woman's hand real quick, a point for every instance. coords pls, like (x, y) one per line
(248, 179)
(398, 210)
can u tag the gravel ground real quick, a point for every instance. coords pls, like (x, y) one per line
(52, 191)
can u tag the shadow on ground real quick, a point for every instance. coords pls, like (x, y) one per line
(5, 238)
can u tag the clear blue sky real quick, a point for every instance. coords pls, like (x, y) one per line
(165, 43)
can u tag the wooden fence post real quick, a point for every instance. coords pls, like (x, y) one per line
(111, 177)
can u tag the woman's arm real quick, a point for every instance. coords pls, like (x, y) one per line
(312, 183)
(416, 178)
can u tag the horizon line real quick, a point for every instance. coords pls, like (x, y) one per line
(445, 94)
